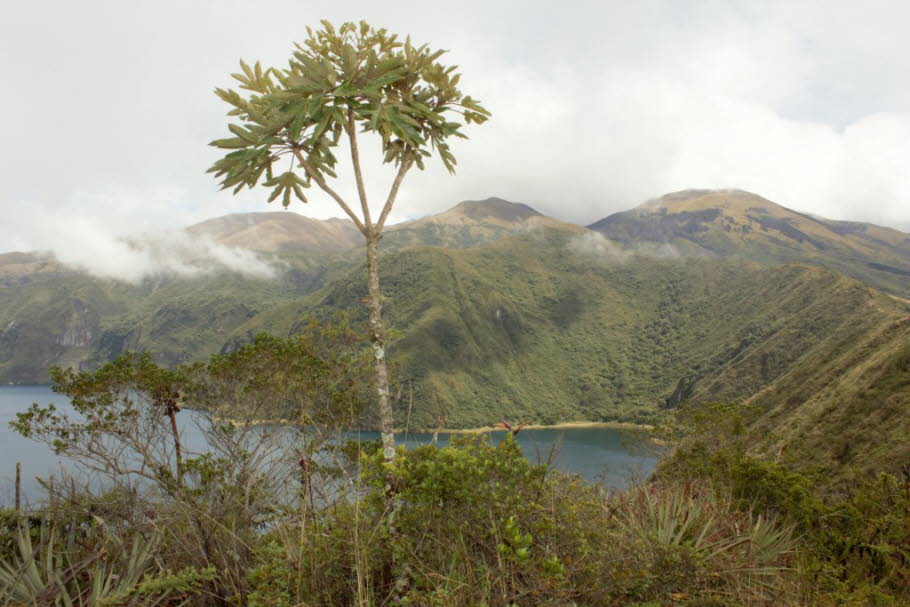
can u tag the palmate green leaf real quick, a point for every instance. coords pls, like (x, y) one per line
(242, 167)
(298, 121)
(448, 159)
(470, 104)
(254, 78)
(402, 126)
(347, 90)
(232, 97)
(348, 59)
(475, 117)
(450, 128)
(386, 79)
(283, 185)
(375, 115)
(320, 129)
(422, 110)
(402, 112)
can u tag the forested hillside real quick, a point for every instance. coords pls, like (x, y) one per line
(535, 327)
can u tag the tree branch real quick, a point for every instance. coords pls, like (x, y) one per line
(393, 193)
(355, 159)
(322, 184)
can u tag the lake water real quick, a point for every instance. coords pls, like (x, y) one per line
(596, 454)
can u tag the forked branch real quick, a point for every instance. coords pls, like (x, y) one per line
(393, 193)
(315, 176)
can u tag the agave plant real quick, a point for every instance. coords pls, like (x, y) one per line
(114, 573)
(744, 552)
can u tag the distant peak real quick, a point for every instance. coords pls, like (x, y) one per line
(496, 208)
(691, 194)
(273, 231)
(700, 199)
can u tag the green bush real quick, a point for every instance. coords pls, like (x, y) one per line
(855, 538)
(477, 524)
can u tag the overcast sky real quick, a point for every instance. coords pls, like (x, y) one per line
(108, 107)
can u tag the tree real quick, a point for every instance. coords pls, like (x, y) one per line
(338, 82)
(214, 489)
(124, 423)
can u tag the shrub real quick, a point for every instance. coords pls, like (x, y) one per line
(89, 567)
(855, 538)
(477, 524)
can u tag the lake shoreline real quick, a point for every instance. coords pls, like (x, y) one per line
(559, 426)
(597, 451)
(475, 430)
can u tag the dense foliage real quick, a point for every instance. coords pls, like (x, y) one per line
(279, 516)
(339, 81)
(855, 535)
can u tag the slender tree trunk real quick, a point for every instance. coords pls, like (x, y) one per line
(177, 450)
(378, 339)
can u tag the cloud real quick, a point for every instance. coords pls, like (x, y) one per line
(580, 144)
(597, 106)
(165, 254)
(594, 245)
(112, 243)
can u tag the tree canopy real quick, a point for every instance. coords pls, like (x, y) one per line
(338, 81)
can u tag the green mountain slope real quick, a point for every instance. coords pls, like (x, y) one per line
(530, 328)
(54, 315)
(736, 223)
(846, 408)
(67, 318)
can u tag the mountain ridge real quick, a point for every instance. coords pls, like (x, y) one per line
(739, 223)
(279, 232)
(695, 216)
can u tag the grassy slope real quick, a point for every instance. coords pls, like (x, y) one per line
(35, 316)
(845, 408)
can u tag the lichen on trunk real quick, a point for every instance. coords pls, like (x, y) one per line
(378, 343)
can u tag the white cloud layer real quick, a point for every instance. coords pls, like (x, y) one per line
(127, 236)
(597, 247)
(164, 254)
(108, 107)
